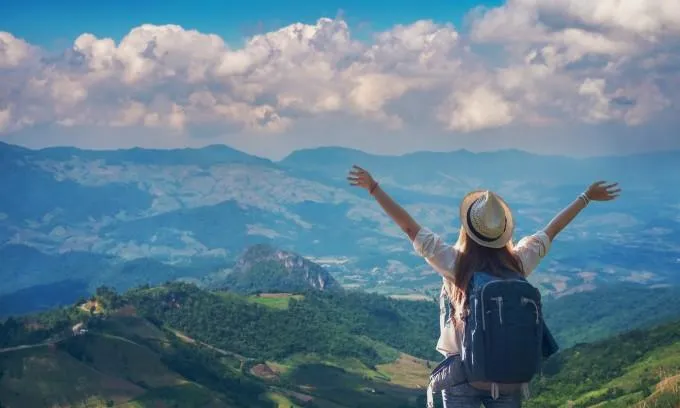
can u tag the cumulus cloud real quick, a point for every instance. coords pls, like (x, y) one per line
(13, 51)
(479, 108)
(561, 61)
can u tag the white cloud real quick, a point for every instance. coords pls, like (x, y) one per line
(13, 51)
(593, 61)
(561, 62)
(479, 108)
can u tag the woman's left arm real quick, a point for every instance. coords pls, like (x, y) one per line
(598, 191)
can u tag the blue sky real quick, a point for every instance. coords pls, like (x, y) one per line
(55, 24)
(388, 77)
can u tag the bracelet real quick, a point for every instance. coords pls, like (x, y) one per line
(585, 198)
(372, 189)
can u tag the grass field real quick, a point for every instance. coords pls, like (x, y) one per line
(412, 296)
(275, 300)
(281, 400)
(187, 395)
(350, 365)
(123, 358)
(132, 326)
(666, 394)
(407, 371)
(51, 377)
(347, 382)
(662, 362)
(344, 388)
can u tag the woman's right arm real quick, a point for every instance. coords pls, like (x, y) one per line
(396, 212)
(362, 178)
(597, 191)
(437, 253)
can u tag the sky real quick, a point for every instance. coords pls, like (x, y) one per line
(573, 77)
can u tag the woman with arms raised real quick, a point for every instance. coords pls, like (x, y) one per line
(484, 244)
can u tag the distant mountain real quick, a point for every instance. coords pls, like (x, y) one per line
(42, 297)
(205, 156)
(34, 280)
(490, 169)
(195, 211)
(263, 268)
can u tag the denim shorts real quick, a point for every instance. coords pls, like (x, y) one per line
(467, 396)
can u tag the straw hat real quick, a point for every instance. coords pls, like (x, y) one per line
(487, 219)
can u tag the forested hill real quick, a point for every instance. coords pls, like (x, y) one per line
(339, 324)
(330, 349)
(640, 368)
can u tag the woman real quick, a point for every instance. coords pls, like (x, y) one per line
(484, 243)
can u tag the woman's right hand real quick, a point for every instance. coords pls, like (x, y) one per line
(361, 178)
(599, 191)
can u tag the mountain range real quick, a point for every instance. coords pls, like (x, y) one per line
(129, 217)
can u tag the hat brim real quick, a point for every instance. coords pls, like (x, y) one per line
(501, 241)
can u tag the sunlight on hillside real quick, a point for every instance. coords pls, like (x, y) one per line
(275, 300)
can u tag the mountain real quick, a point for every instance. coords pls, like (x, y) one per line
(594, 315)
(639, 368)
(263, 268)
(34, 280)
(123, 361)
(189, 213)
(42, 297)
(178, 345)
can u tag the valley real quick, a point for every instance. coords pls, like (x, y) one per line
(147, 216)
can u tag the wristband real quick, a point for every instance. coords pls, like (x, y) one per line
(372, 189)
(585, 198)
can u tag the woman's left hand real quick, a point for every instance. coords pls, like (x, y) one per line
(600, 191)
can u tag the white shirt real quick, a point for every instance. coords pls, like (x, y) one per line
(442, 257)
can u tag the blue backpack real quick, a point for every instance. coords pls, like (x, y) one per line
(504, 340)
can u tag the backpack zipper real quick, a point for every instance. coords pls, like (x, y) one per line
(527, 300)
(499, 300)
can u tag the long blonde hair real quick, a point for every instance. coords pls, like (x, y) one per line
(471, 258)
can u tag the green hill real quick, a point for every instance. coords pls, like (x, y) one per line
(631, 368)
(97, 370)
(179, 346)
(325, 323)
(594, 315)
(182, 346)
